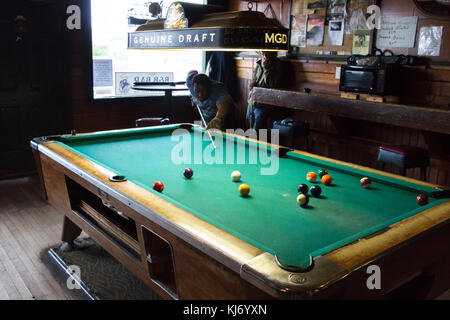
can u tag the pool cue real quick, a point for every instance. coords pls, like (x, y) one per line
(204, 123)
(251, 104)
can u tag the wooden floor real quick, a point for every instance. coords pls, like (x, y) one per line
(28, 227)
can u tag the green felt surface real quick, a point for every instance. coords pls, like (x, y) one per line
(270, 217)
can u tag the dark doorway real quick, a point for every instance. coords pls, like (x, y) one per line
(33, 81)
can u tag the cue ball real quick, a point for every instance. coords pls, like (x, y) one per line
(188, 173)
(244, 190)
(302, 200)
(422, 199)
(303, 188)
(158, 186)
(365, 182)
(316, 191)
(236, 176)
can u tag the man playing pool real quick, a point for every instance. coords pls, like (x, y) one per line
(213, 100)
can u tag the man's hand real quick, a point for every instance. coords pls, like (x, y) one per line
(214, 124)
(251, 85)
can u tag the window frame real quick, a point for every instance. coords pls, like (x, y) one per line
(86, 18)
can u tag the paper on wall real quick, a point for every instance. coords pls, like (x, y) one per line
(430, 39)
(335, 32)
(361, 42)
(397, 32)
(298, 30)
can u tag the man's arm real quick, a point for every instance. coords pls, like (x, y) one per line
(223, 109)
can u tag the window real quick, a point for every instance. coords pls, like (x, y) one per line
(115, 68)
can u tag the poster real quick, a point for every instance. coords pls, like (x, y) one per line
(361, 42)
(430, 40)
(336, 9)
(125, 80)
(317, 4)
(335, 32)
(298, 30)
(315, 31)
(357, 21)
(103, 72)
(397, 32)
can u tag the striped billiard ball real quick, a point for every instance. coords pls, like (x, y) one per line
(311, 177)
(365, 182)
(302, 200)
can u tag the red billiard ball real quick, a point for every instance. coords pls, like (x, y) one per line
(188, 173)
(158, 186)
(365, 182)
(422, 199)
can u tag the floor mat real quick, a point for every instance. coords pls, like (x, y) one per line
(104, 277)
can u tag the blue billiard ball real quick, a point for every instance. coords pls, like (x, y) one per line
(316, 191)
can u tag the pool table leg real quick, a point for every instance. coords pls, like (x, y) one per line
(70, 231)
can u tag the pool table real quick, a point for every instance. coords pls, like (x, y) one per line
(200, 239)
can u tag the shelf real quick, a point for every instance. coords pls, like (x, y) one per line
(421, 118)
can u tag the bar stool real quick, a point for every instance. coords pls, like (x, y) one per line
(151, 122)
(405, 157)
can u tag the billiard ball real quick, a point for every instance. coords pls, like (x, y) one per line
(326, 180)
(244, 190)
(302, 200)
(322, 172)
(422, 199)
(316, 191)
(158, 186)
(188, 173)
(303, 188)
(236, 176)
(365, 182)
(311, 177)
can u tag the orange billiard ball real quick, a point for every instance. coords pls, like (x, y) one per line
(326, 180)
(311, 177)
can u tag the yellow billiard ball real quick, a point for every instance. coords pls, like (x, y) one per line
(244, 190)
